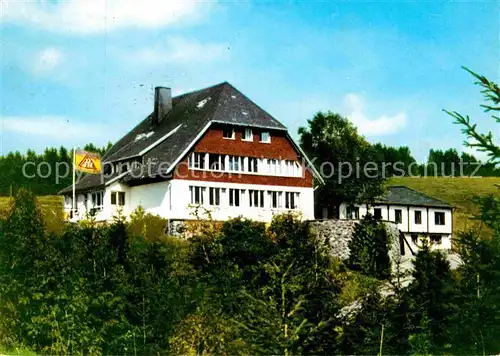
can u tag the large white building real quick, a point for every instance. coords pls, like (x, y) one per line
(212, 148)
(418, 216)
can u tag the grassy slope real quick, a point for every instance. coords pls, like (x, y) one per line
(459, 192)
(48, 203)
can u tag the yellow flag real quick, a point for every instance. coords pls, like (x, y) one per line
(87, 162)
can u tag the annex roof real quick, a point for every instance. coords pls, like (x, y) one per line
(402, 195)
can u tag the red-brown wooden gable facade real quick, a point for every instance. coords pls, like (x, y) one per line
(213, 142)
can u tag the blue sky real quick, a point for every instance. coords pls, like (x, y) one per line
(82, 71)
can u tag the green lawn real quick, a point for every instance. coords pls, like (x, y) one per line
(459, 192)
(46, 202)
(52, 206)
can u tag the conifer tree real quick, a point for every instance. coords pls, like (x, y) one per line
(478, 296)
(22, 248)
(431, 299)
(369, 248)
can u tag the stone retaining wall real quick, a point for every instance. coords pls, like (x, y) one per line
(338, 234)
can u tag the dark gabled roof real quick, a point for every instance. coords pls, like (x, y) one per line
(219, 103)
(401, 195)
(190, 114)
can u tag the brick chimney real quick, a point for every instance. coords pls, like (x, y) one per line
(163, 104)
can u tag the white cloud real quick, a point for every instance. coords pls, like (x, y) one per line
(94, 16)
(379, 126)
(47, 60)
(53, 127)
(178, 50)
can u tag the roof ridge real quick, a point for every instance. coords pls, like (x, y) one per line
(227, 85)
(199, 90)
(254, 103)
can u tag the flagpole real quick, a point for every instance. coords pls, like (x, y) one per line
(74, 178)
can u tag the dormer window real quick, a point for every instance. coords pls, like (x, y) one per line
(228, 134)
(265, 137)
(247, 135)
(122, 167)
(108, 168)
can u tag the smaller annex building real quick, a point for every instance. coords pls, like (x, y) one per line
(418, 216)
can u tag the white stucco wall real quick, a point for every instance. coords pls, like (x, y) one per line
(403, 225)
(418, 227)
(154, 198)
(108, 210)
(172, 200)
(445, 242)
(408, 225)
(444, 229)
(181, 201)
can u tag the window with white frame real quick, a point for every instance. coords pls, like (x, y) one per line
(247, 135)
(353, 212)
(122, 167)
(216, 162)
(291, 168)
(121, 198)
(252, 165)
(234, 197)
(229, 163)
(235, 163)
(262, 165)
(274, 199)
(265, 137)
(256, 198)
(214, 196)
(228, 133)
(97, 199)
(418, 217)
(197, 160)
(118, 198)
(439, 218)
(291, 200)
(197, 194)
(297, 169)
(288, 169)
(273, 164)
(398, 215)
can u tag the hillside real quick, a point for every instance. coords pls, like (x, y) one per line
(46, 202)
(459, 192)
(52, 209)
